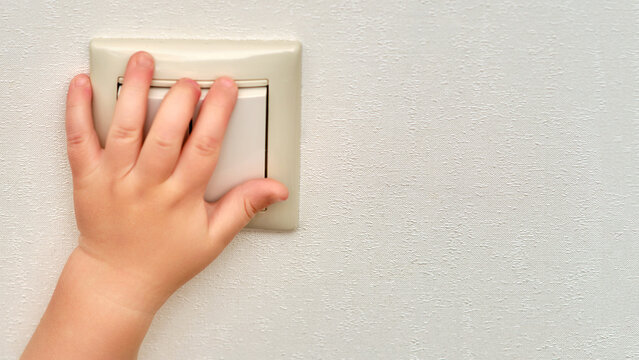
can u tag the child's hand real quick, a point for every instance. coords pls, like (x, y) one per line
(140, 207)
(144, 226)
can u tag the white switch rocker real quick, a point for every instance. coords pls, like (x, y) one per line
(262, 138)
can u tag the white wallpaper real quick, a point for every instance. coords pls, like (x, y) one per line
(469, 180)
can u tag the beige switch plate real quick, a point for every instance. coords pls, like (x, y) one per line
(274, 63)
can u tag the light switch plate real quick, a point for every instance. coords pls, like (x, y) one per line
(275, 64)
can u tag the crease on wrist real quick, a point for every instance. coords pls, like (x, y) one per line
(118, 287)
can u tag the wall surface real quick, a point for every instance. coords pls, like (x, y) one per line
(469, 180)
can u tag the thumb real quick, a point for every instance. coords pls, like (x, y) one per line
(237, 207)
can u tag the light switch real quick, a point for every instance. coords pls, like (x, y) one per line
(262, 139)
(243, 151)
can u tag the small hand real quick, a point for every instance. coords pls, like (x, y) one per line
(139, 205)
(145, 228)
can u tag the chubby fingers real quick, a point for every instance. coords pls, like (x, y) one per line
(164, 141)
(200, 153)
(125, 135)
(83, 146)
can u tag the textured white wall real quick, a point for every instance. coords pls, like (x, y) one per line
(469, 180)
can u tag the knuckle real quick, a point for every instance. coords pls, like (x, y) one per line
(249, 209)
(130, 188)
(163, 143)
(206, 145)
(175, 192)
(76, 139)
(126, 133)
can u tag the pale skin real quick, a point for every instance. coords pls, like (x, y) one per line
(145, 229)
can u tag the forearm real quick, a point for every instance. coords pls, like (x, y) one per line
(94, 313)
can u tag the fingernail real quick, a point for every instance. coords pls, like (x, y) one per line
(80, 81)
(227, 82)
(144, 60)
(193, 82)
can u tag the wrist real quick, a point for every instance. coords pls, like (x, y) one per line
(95, 312)
(94, 278)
